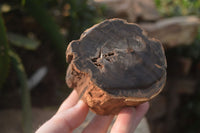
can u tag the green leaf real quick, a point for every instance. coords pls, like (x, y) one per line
(22, 41)
(4, 58)
(25, 94)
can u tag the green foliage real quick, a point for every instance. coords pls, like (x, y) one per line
(4, 58)
(178, 7)
(25, 94)
(35, 8)
(23, 2)
(22, 41)
(81, 16)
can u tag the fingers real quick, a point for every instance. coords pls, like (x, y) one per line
(66, 121)
(123, 123)
(127, 121)
(129, 118)
(70, 115)
(99, 124)
(69, 102)
(140, 112)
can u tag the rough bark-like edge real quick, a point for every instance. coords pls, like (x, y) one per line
(98, 100)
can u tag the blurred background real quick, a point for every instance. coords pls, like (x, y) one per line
(34, 35)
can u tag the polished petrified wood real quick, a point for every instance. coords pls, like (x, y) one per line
(114, 65)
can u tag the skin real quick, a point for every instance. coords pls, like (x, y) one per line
(73, 112)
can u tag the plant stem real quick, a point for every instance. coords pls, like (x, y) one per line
(4, 58)
(25, 94)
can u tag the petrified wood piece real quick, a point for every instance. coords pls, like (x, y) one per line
(114, 64)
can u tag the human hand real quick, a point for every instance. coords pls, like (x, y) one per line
(73, 112)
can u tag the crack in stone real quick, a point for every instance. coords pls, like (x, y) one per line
(97, 60)
(108, 56)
